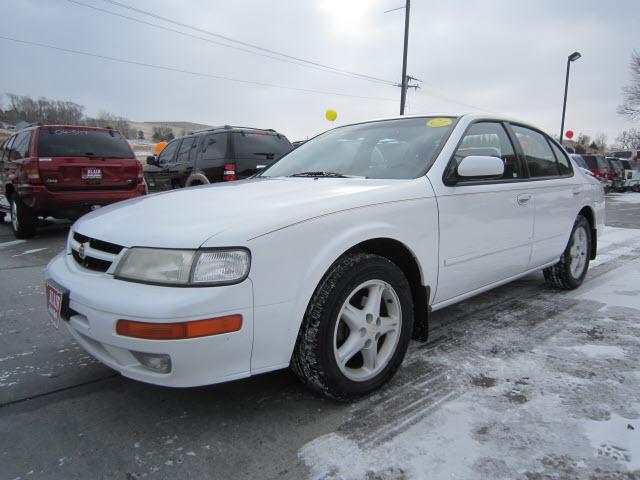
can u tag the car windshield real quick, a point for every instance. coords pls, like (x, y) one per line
(389, 149)
(69, 142)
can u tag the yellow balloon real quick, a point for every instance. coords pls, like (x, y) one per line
(160, 146)
(331, 115)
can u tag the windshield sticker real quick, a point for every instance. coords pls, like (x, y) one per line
(439, 122)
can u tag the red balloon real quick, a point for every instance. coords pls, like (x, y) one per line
(569, 134)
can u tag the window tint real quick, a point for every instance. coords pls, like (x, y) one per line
(563, 161)
(489, 139)
(22, 145)
(265, 146)
(168, 152)
(185, 149)
(70, 142)
(214, 146)
(538, 154)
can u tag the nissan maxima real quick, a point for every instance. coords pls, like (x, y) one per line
(331, 259)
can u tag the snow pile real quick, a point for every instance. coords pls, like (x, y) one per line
(521, 383)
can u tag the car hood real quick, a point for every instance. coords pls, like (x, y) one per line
(187, 218)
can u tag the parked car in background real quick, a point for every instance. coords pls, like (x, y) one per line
(214, 155)
(580, 162)
(65, 171)
(631, 174)
(297, 143)
(329, 260)
(630, 154)
(616, 174)
(599, 168)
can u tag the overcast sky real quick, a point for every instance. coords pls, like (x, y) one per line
(502, 56)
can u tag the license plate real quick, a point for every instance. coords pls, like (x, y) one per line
(54, 303)
(91, 174)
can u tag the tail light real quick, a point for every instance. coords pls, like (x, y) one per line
(229, 173)
(32, 171)
(140, 173)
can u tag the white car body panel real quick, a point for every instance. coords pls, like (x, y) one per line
(465, 240)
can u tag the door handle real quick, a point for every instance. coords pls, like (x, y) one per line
(523, 199)
(577, 191)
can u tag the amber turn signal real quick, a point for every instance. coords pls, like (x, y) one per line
(180, 330)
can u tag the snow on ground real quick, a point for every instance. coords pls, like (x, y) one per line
(546, 385)
(628, 197)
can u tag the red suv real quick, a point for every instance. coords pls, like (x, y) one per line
(65, 171)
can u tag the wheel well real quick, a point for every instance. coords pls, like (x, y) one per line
(399, 254)
(587, 213)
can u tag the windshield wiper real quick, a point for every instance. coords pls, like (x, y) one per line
(321, 174)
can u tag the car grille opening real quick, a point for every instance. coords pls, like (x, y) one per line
(97, 248)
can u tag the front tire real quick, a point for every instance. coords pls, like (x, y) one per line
(570, 271)
(356, 329)
(23, 221)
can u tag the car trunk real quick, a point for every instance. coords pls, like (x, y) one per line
(84, 173)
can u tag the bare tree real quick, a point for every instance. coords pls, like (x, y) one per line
(601, 142)
(631, 93)
(629, 139)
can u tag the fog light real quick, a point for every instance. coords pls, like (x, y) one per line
(158, 362)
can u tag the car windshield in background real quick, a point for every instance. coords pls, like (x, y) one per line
(391, 149)
(82, 143)
(623, 154)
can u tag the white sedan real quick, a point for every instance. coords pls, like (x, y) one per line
(331, 259)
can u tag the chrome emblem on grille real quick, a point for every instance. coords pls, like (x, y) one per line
(81, 253)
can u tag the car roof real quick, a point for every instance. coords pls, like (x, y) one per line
(459, 115)
(232, 128)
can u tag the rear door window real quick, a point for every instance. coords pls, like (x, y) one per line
(22, 145)
(538, 154)
(69, 142)
(185, 149)
(260, 146)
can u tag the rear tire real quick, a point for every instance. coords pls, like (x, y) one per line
(570, 271)
(362, 314)
(23, 220)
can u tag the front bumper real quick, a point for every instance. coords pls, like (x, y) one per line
(97, 301)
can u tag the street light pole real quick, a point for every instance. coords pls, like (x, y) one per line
(403, 92)
(571, 58)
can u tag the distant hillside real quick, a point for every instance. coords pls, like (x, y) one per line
(178, 127)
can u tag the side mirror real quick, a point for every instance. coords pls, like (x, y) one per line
(480, 166)
(151, 160)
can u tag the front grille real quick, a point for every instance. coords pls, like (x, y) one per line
(98, 244)
(91, 263)
(98, 254)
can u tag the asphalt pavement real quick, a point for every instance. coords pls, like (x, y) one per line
(65, 416)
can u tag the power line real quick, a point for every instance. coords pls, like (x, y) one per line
(188, 72)
(245, 44)
(208, 40)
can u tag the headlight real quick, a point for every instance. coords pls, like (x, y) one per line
(184, 267)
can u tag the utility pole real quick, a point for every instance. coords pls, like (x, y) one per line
(403, 92)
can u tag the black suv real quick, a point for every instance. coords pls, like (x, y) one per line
(214, 155)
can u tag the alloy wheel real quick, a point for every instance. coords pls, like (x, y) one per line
(367, 331)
